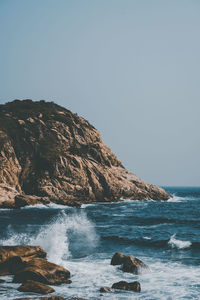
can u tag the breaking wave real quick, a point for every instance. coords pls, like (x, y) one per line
(172, 243)
(65, 236)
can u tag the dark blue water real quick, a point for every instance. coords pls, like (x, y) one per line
(165, 235)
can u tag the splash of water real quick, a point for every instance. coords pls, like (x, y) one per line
(65, 236)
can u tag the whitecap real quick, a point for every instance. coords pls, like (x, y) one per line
(176, 199)
(179, 244)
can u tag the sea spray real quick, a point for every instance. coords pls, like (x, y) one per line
(66, 235)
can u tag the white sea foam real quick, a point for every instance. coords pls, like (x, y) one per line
(46, 206)
(175, 243)
(175, 198)
(65, 236)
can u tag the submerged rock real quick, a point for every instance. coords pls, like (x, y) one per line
(105, 289)
(43, 271)
(35, 287)
(131, 286)
(129, 264)
(49, 152)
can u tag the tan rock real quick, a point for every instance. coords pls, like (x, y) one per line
(14, 258)
(129, 264)
(43, 271)
(35, 287)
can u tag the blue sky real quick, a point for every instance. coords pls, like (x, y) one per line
(132, 68)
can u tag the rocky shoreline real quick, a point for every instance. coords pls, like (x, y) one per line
(49, 154)
(29, 266)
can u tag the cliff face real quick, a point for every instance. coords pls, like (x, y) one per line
(47, 151)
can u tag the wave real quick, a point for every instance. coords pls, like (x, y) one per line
(179, 244)
(171, 243)
(65, 236)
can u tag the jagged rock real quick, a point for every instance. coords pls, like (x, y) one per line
(47, 151)
(12, 258)
(123, 285)
(43, 271)
(35, 287)
(129, 264)
(26, 200)
(104, 289)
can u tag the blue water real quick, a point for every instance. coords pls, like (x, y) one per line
(165, 235)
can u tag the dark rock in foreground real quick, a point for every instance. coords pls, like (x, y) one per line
(123, 285)
(2, 281)
(13, 258)
(35, 287)
(49, 152)
(43, 271)
(129, 264)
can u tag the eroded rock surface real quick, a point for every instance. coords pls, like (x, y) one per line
(49, 152)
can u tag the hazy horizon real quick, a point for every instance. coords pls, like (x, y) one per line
(131, 68)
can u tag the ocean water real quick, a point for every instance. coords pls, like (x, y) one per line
(165, 235)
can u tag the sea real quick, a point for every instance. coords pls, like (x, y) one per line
(165, 235)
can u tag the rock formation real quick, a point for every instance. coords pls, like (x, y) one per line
(47, 153)
(41, 270)
(29, 263)
(35, 287)
(129, 264)
(128, 286)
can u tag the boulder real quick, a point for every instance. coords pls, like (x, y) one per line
(35, 287)
(41, 270)
(12, 258)
(104, 289)
(129, 264)
(117, 259)
(128, 286)
(27, 200)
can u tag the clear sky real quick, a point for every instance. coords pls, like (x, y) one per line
(130, 67)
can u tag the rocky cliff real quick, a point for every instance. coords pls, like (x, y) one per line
(50, 153)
